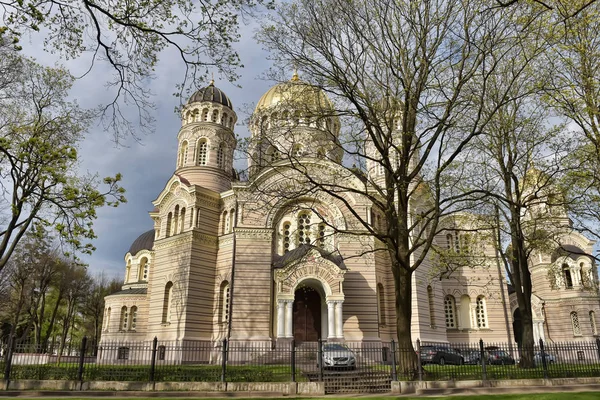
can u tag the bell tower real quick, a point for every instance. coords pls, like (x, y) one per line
(206, 140)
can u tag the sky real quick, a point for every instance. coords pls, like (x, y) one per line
(147, 164)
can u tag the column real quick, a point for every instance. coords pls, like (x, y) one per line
(331, 320)
(280, 319)
(289, 317)
(339, 321)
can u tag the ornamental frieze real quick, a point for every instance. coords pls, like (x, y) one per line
(254, 233)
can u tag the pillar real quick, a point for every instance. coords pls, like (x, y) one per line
(339, 323)
(289, 317)
(280, 319)
(331, 333)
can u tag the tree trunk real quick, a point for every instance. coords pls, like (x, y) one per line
(407, 358)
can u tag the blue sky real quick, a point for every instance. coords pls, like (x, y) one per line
(148, 164)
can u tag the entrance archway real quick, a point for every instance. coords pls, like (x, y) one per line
(307, 314)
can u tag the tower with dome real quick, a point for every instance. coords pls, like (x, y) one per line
(229, 259)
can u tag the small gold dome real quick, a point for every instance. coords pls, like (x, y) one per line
(295, 95)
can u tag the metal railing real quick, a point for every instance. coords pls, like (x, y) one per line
(358, 366)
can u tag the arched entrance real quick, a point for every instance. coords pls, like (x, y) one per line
(307, 314)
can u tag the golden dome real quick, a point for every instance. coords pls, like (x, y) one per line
(294, 95)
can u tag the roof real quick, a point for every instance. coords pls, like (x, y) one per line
(301, 251)
(569, 250)
(130, 291)
(144, 242)
(211, 93)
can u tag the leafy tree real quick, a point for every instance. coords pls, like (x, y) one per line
(93, 304)
(408, 80)
(39, 133)
(130, 36)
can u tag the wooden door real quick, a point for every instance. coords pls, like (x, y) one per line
(307, 315)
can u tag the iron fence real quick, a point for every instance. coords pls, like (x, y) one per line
(344, 367)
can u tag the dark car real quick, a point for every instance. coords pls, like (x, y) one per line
(499, 357)
(440, 355)
(471, 356)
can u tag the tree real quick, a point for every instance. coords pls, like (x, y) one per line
(409, 81)
(39, 134)
(93, 303)
(130, 37)
(574, 91)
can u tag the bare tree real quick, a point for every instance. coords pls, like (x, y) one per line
(130, 37)
(408, 79)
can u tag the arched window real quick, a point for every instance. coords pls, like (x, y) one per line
(182, 224)
(450, 311)
(321, 235)
(225, 302)
(575, 324)
(431, 306)
(297, 151)
(196, 114)
(183, 152)
(286, 236)
(567, 276)
(225, 223)
(169, 224)
(272, 154)
(381, 304)
(124, 319)
(481, 312)
(221, 156)
(197, 217)
(143, 270)
(202, 152)
(128, 271)
(215, 116)
(175, 220)
(166, 314)
(231, 122)
(303, 228)
(205, 115)
(133, 318)
(449, 241)
(231, 219)
(593, 323)
(107, 322)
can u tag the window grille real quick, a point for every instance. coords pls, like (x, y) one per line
(133, 322)
(593, 323)
(575, 324)
(202, 152)
(124, 318)
(286, 237)
(480, 313)
(304, 228)
(123, 353)
(225, 302)
(450, 311)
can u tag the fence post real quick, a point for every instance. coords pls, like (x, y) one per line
(224, 361)
(320, 359)
(544, 362)
(81, 358)
(8, 363)
(419, 362)
(394, 372)
(153, 359)
(482, 357)
(293, 360)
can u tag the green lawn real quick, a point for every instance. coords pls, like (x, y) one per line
(539, 396)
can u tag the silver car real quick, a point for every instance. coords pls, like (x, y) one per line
(550, 359)
(336, 355)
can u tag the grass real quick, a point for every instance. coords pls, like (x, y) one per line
(467, 372)
(529, 396)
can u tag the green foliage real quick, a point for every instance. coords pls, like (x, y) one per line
(39, 134)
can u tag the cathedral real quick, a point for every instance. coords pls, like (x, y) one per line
(227, 259)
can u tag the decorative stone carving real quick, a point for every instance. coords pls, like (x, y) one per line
(255, 233)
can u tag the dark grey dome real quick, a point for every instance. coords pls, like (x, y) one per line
(212, 94)
(568, 250)
(144, 242)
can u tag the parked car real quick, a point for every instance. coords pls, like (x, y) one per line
(336, 355)
(550, 359)
(440, 355)
(499, 357)
(471, 356)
